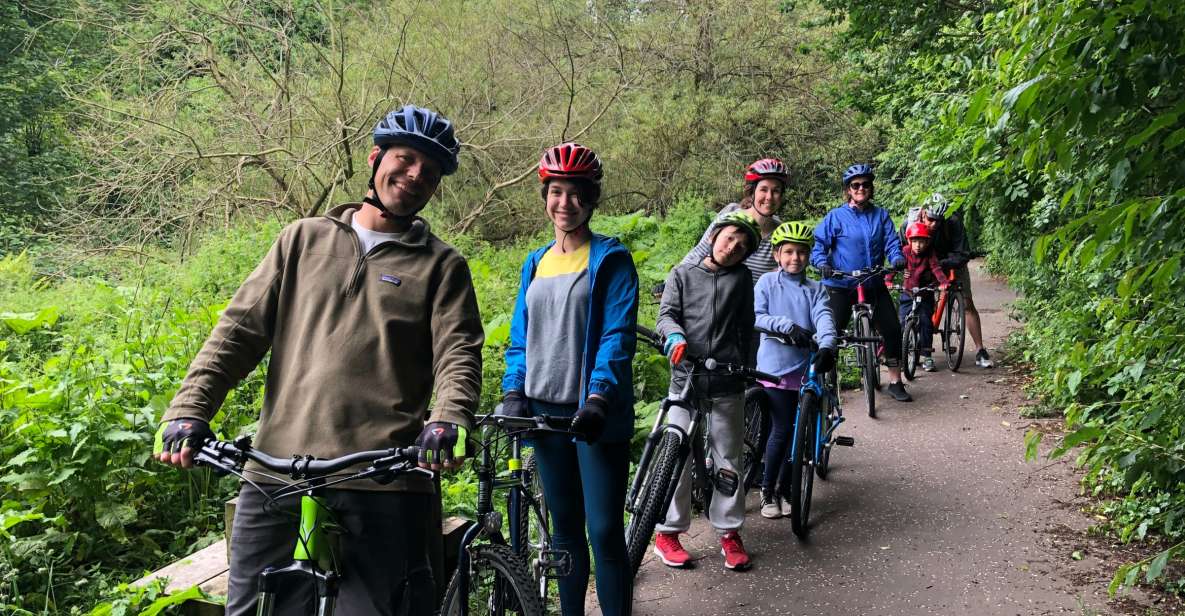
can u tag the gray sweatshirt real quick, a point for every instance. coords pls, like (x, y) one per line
(714, 311)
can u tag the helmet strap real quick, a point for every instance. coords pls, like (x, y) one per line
(372, 197)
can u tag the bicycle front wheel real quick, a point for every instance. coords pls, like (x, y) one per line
(656, 493)
(910, 348)
(755, 418)
(955, 325)
(802, 475)
(869, 367)
(498, 583)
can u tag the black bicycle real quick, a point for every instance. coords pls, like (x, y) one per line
(507, 573)
(864, 338)
(667, 449)
(911, 331)
(312, 558)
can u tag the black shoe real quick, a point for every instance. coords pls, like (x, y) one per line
(983, 360)
(897, 390)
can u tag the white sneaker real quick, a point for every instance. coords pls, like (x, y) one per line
(785, 508)
(769, 506)
(983, 360)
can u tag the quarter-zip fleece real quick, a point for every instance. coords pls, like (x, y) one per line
(358, 342)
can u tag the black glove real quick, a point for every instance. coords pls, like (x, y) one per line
(177, 433)
(514, 404)
(441, 442)
(798, 336)
(824, 360)
(899, 263)
(589, 422)
(826, 271)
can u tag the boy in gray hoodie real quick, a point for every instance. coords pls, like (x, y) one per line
(707, 310)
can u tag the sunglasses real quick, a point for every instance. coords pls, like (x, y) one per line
(860, 185)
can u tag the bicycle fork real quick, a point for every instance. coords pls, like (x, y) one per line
(310, 551)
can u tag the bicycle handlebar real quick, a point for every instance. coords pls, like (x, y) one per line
(228, 456)
(708, 363)
(780, 337)
(537, 423)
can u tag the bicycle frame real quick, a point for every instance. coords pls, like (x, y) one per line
(553, 563)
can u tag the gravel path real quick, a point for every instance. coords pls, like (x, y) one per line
(934, 511)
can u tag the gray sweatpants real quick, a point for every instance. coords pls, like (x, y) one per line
(727, 428)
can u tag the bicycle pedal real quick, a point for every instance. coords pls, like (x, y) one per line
(553, 563)
(845, 441)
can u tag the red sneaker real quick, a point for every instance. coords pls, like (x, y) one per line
(735, 556)
(668, 548)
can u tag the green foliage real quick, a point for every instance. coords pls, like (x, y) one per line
(1057, 128)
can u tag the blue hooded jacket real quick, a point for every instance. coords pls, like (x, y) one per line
(848, 239)
(610, 339)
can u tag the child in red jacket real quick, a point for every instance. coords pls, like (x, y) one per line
(921, 270)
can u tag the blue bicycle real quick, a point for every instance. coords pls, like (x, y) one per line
(815, 423)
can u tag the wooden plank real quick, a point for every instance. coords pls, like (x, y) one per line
(195, 569)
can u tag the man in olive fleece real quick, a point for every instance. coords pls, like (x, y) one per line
(363, 310)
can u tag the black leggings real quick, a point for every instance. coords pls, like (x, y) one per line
(884, 315)
(783, 406)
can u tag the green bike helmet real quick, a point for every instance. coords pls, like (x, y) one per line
(795, 231)
(742, 221)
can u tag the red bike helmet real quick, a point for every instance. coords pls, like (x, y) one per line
(917, 229)
(767, 168)
(570, 161)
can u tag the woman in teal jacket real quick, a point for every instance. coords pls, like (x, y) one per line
(572, 341)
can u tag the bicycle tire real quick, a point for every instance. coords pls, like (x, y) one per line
(957, 317)
(534, 518)
(910, 351)
(802, 475)
(826, 408)
(702, 488)
(656, 495)
(508, 589)
(866, 353)
(755, 416)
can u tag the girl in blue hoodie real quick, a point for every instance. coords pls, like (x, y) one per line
(787, 302)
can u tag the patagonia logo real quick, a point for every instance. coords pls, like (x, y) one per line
(391, 279)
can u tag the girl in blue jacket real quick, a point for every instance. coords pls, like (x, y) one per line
(572, 340)
(787, 302)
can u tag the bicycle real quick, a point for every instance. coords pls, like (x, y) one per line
(312, 558)
(666, 452)
(952, 311)
(507, 574)
(865, 340)
(911, 331)
(816, 420)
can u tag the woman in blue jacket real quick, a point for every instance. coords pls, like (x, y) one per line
(572, 340)
(860, 235)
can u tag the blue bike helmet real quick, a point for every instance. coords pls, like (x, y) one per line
(856, 171)
(419, 128)
(422, 129)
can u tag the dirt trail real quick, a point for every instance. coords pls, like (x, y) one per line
(934, 511)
